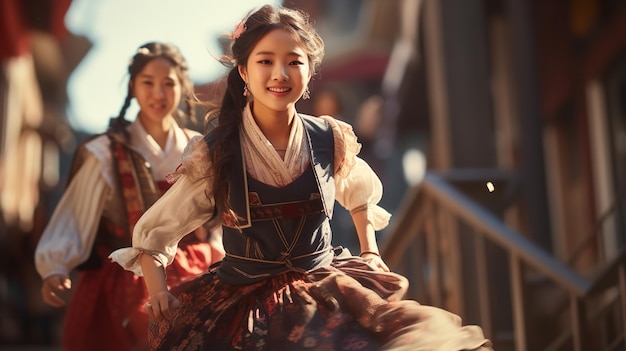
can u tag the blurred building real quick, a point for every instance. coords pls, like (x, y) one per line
(38, 54)
(518, 108)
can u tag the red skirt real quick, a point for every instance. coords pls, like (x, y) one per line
(106, 310)
(347, 306)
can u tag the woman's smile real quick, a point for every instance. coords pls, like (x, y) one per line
(279, 91)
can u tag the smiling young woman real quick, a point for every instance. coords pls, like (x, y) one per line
(116, 176)
(271, 176)
(158, 92)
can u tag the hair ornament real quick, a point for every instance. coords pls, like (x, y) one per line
(239, 29)
(143, 51)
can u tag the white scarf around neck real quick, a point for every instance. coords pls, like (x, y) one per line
(263, 163)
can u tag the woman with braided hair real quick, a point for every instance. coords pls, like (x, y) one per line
(271, 176)
(115, 177)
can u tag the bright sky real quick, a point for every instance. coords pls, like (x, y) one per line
(117, 28)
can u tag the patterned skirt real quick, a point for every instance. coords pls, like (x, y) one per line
(346, 306)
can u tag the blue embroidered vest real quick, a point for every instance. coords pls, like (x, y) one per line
(282, 229)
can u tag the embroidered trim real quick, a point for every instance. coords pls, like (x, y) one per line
(285, 210)
(363, 207)
(286, 261)
(369, 252)
(132, 195)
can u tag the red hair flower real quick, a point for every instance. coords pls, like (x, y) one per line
(239, 29)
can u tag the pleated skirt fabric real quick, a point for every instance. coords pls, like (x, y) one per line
(346, 306)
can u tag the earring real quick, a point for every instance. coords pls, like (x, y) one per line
(246, 90)
(307, 94)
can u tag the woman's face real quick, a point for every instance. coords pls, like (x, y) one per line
(157, 90)
(277, 72)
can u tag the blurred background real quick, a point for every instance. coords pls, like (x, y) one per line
(497, 127)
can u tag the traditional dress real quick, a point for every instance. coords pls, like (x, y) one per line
(122, 179)
(282, 286)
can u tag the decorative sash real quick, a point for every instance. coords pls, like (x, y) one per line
(137, 185)
(132, 195)
(259, 212)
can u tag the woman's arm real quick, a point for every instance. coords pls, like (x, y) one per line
(155, 238)
(358, 189)
(69, 236)
(359, 192)
(183, 208)
(367, 239)
(161, 303)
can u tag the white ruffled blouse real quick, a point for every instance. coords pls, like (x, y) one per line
(186, 205)
(69, 235)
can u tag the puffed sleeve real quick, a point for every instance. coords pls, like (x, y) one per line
(358, 188)
(67, 239)
(184, 207)
(346, 146)
(361, 190)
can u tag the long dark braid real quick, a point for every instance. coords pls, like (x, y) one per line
(221, 139)
(146, 53)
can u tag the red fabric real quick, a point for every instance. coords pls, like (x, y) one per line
(163, 185)
(14, 31)
(106, 311)
(192, 259)
(57, 20)
(131, 191)
(107, 307)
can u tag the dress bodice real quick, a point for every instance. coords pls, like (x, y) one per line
(284, 229)
(289, 231)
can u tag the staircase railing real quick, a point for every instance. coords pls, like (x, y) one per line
(453, 250)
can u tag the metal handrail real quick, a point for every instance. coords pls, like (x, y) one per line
(494, 230)
(435, 192)
(596, 231)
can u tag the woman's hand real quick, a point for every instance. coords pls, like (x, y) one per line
(375, 260)
(162, 305)
(55, 290)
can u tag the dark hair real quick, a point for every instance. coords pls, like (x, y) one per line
(146, 53)
(229, 115)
